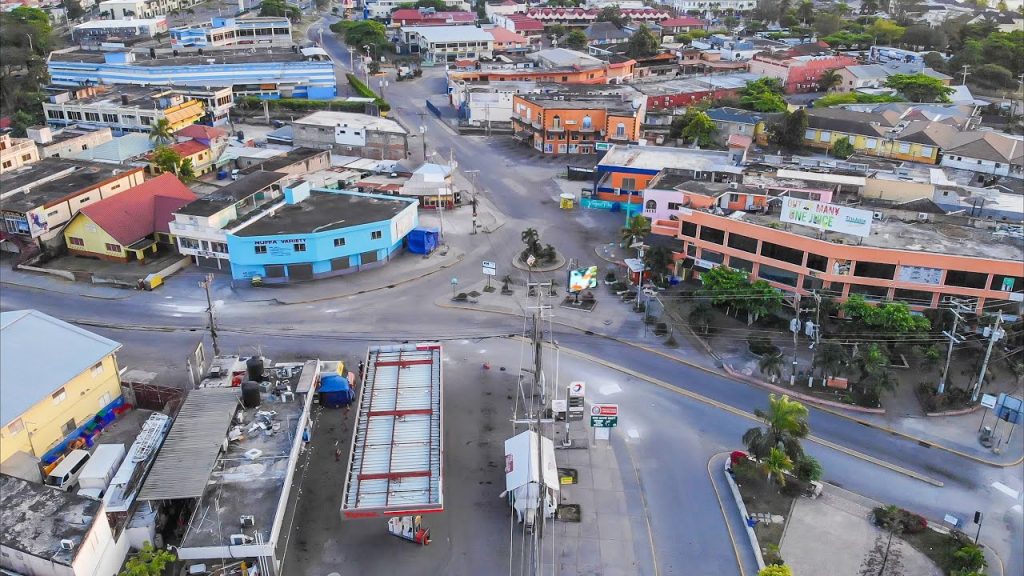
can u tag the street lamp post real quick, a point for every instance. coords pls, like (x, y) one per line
(423, 139)
(366, 65)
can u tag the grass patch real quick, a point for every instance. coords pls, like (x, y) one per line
(938, 547)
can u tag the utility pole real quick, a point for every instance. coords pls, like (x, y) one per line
(205, 284)
(994, 334)
(794, 327)
(953, 339)
(965, 73)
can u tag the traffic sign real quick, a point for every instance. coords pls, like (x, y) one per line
(988, 401)
(604, 421)
(489, 264)
(604, 410)
(577, 389)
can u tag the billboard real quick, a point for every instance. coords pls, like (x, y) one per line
(830, 217)
(581, 279)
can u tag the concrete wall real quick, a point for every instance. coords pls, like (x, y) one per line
(896, 190)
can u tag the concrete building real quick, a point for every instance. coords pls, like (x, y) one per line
(16, 152)
(96, 31)
(681, 92)
(53, 532)
(68, 141)
(986, 152)
(251, 30)
(124, 9)
(584, 17)
(351, 134)
(448, 43)
(554, 65)
(428, 17)
(321, 233)
(270, 72)
(129, 149)
(382, 9)
(123, 109)
(44, 403)
(131, 225)
(731, 121)
(200, 227)
(575, 124)
(507, 41)
(625, 171)
(878, 134)
(798, 74)
(906, 255)
(37, 200)
(711, 7)
(522, 24)
(494, 8)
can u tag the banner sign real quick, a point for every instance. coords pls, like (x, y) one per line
(831, 217)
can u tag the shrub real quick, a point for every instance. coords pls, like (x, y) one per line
(907, 521)
(808, 468)
(366, 92)
(762, 346)
(772, 556)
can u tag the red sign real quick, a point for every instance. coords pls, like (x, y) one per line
(604, 410)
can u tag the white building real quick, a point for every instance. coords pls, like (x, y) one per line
(69, 141)
(99, 30)
(986, 152)
(260, 30)
(449, 43)
(16, 152)
(713, 6)
(124, 9)
(382, 9)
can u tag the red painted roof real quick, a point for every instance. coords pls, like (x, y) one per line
(414, 15)
(201, 131)
(682, 21)
(739, 141)
(140, 211)
(504, 35)
(525, 22)
(189, 147)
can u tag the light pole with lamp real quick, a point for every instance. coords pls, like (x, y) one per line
(366, 65)
(472, 193)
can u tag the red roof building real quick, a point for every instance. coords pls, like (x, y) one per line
(128, 225)
(506, 40)
(586, 17)
(682, 24)
(209, 135)
(414, 17)
(195, 151)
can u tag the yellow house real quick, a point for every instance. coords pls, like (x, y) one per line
(54, 378)
(878, 134)
(130, 225)
(198, 153)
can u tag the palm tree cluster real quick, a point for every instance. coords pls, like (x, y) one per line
(776, 445)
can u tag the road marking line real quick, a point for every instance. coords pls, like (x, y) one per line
(1006, 490)
(725, 517)
(609, 389)
(647, 514)
(633, 433)
(749, 416)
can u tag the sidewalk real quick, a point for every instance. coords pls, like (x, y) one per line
(47, 283)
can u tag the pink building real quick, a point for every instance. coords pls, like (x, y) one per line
(800, 74)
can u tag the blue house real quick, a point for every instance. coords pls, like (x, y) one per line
(321, 233)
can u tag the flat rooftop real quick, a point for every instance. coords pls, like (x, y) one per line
(238, 190)
(36, 518)
(656, 158)
(895, 234)
(188, 58)
(331, 118)
(285, 160)
(324, 211)
(697, 84)
(249, 477)
(34, 185)
(132, 96)
(612, 103)
(119, 23)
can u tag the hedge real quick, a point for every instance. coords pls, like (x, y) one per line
(366, 92)
(301, 104)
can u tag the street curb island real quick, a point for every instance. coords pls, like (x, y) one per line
(743, 514)
(867, 423)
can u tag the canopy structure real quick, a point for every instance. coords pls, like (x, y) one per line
(395, 465)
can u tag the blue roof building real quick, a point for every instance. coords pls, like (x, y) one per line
(321, 233)
(264, 72)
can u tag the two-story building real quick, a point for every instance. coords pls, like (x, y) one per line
(877, 134)
(574, 124)
(351, 134)
(321, 233)
(69, 141)
(41, 404)
(251, 30)
(199, 155)
(448, 43)
(16, 152)
(798, 74)
(123, 110)
(97, 31)
(625, 171)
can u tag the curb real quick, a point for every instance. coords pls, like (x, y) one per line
(721, 506)
(48, 290)
(517, 264)
(598, 253)
(794, 394)
(743, 514)
(960, 412)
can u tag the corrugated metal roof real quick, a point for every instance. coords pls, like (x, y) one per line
(183, 466)
(396, 460)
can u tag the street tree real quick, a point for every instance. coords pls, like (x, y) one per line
(556, 31)
(160, 132)
(894, 319)
(789, 133)
(1002, 6)
(785, 424)
(935, 61)
(993, 77)
(186, 171)
(969, 558)
(885, 31)
(869, 6)
(531, 238)
(166, 159)
(280, 8)
(827, 23)
(658, 260)
(919, 87)
(698, 128)
(829, 79)
(763, 95)
(924, 37)
(642, 43)
(759, 299)
(830, 358)
(806, 12)
(770, 366)
(842, 148)
(775, 466)
(149, 561)
(723, 285)
(576, 40)
(359, 33)
(700, 317)
(635, 231)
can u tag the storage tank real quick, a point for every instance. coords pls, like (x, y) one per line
(254, 368)
(250, 394)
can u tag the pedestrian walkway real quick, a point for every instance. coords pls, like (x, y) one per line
(48, 283)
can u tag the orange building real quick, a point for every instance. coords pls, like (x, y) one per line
(606, 73)
(575, 124)
(902, 259)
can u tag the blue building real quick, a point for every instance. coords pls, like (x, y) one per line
(264, 72)
(321, 233)
(261, 30)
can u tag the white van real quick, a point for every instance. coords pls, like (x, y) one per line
(65, 475)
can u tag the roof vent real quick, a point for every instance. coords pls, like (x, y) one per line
(247, 520)
(66, 544)
(240, 539)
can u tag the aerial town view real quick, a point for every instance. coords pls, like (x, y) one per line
(512, 287)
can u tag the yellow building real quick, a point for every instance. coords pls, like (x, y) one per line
(878, 134)
(196, 152)
(54, 378)
(132, 224)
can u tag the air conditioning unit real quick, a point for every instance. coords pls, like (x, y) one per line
(922, 216)
(247, 520)
(877, 215)
(734, 186)
(240, 539)
(66, 544)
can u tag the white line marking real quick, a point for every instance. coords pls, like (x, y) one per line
(609, 389)
(633, 433)
(1006, 490)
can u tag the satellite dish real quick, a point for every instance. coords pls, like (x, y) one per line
(637, 103)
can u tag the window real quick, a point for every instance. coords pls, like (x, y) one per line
(188, 243)
(914, 297)
(97, 369)
(926, 151)
(904, 147)
(299, 247)
(112, 247)
(966, 279)
(871, 143)
(741, 242)
(15, 427)
(779, 252)
(620, 130)
(809, 135)
(629, 183)
(556, 122)
(817, 262)
(651, 205)
(76, 241)
(712, 256)
(260, 249)
(26, 158)
(825, 137)
(219, 247)
(870, 292)
(68, 427)
(712, 235)
(874, 270)
(1007, 283)
(376, 235)
(674, 206)
(689, 229)
(741, 264)
(777, 275)
(92, 117)
(59, 396)
(8, 164)
(734, 198)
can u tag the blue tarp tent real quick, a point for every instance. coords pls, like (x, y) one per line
(335, 391)
(423, 240)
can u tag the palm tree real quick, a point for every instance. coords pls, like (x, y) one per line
(829, 79)
(830, 359)
(770, 365)
(775, 466)
(786, 424)
(160, 132)
(658, 260)
(638, 227)
(869, 6)
(700, 316)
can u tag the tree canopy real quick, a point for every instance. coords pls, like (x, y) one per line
(148, 562)
(789, 133)
(576, 40)
(763, 95)
(612, 14)
(885, 31)
(280, 8)
(695, 126)
(359, 33)
(919, 87)
(642, 43)
(25, 39)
